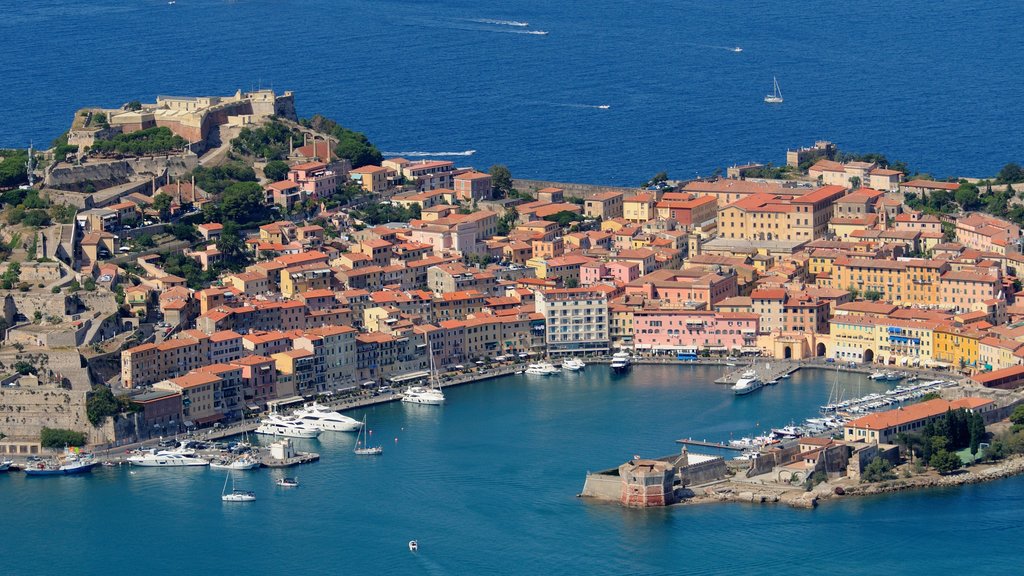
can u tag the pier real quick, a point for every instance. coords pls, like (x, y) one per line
(766, 371)
(299, 458)
(706, 444)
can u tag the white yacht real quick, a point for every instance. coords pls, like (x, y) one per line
(574, 364)
(425, 395)
(5, 465)
(747, 383)
(277, 425)
(542, 369)
(323, 418)
(621, 362)
(161, 458)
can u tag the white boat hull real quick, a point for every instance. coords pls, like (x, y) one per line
(432, 401)
(166, 462)
(286, 433)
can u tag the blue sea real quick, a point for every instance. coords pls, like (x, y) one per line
(487, 484)
(934, 84)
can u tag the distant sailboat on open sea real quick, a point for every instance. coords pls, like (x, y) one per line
(776, 96)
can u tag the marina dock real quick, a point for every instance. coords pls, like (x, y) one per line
(706, 444)
(766, 371)
(299, 458)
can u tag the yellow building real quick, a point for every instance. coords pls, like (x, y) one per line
(639, 208)
(904, 282)
(298, 279)
(958, 346)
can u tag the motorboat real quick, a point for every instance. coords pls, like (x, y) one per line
(574, 364)
(323, 418)
(362, 447)
(160, 458)
(542, 369)
(277, 425)
(737, 49)
(772, 382)
(243, 463)
(5, 465)
(893, 377)
(423, 395)
(70, 463)
(235, 495)
(413, 545)
(790, 431)
(621, 361)
(747, 383)
(877, 376)
(287, 482)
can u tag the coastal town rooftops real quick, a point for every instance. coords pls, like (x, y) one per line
(194, 379)
(933, 184)
(369, 169)
(821, 194)
(914, 413)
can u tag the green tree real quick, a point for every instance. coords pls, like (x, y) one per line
(854, 182)
(13, 169)
(501, 179)
(968, 197)
(11, 276)
(162, 202)
(242, 202)
(145, 241)
(1011, 174)
(59, 437)
(276, 170)
(186, 232)
(89, 284)
(572, 282)
(877, 470)
(133, 106)
(977, 431)
(354, 146)
(945, 462)
(24, 368)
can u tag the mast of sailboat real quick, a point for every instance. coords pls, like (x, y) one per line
(778, 91)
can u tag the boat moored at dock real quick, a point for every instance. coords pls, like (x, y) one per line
(747, 383)
(621, 362)
(277, 425)
(70, 462)
(574, 364)
(542, 369)
(167, 458)
(320, 417)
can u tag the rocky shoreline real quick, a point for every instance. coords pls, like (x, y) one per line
(749, 493)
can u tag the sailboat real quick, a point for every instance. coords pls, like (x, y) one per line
(428, 395)
(776, 96)
(235, 495)
(362, 443)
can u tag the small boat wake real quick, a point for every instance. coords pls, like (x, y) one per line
(572, 105)
(498, 22)
(715, 47)
(422, 154)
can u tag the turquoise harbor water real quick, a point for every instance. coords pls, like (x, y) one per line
(932, 83)
(487, 484)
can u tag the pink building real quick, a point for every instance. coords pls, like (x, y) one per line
(472, 185)
(314, 178)
(680, 287)
(617, 272)
(690, 330)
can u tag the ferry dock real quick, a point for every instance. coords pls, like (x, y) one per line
(706, 444)
(765, 371)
